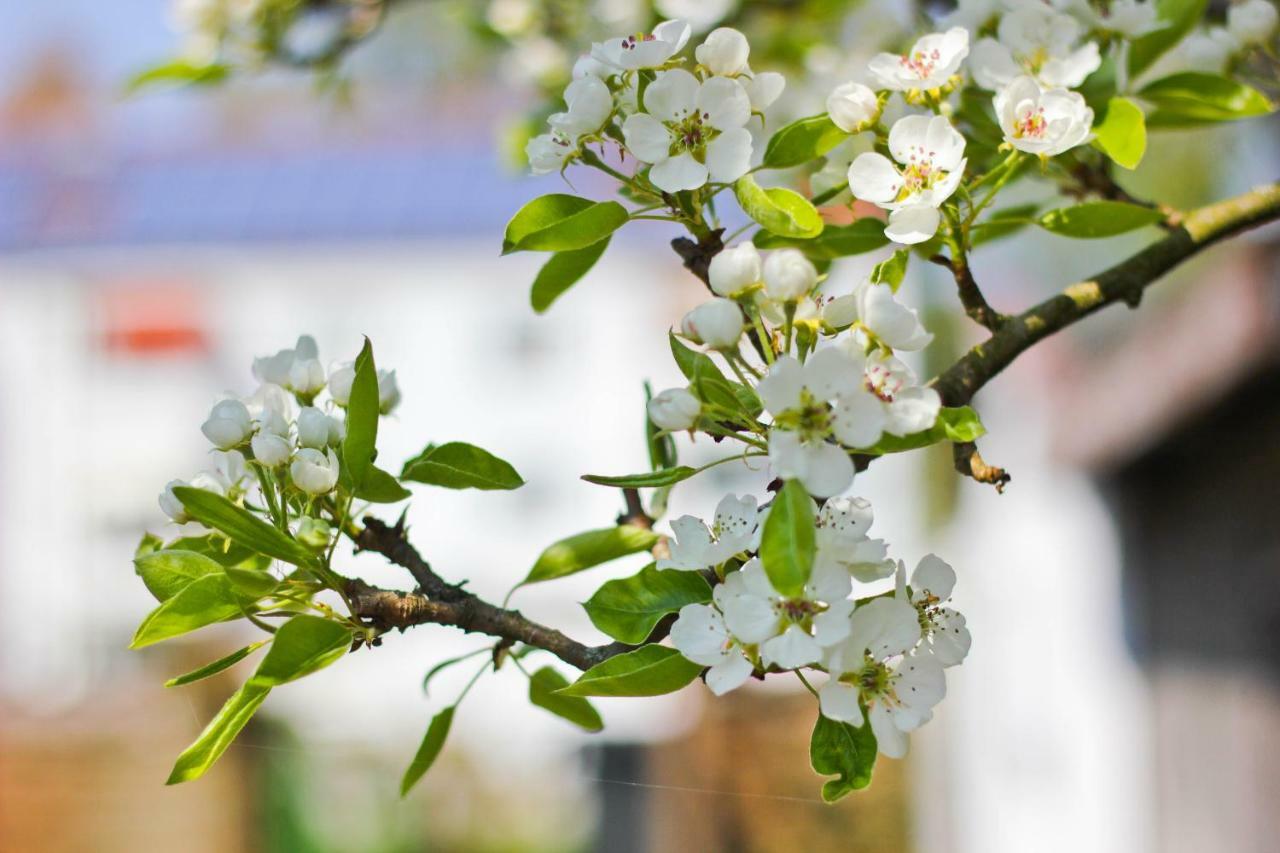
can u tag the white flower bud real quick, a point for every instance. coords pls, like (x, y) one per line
(228, 424)
(735, 269)
(717, 323)
(272, 422)
(337, 430)
(171, 506)
(840, 312)
(788, 275)
(388, 391)
(270, 449)
(306, 376)
(314, 472)
(674, 409)
(313, 428)
(1253, 21)
(230, 466)
(340, 379)
(724, 52)
(888, 319)
(853, 107)
(211, 481)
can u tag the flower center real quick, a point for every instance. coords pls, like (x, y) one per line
(928, 611)
(882, 382)
(1031, 123)
(921, 63)
(692, 133)
(630, 42)
(812, 420)
(875, 681)
(796, 609)
(919, 173)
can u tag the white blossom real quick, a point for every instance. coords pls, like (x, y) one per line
(314, 472)
(1042, 122)
(735, 269)
(699, 633)
(1036, 40)
(674, 409)
(888, 399)
(277, 369)
(589, 103)
(755, 613)
(691, 131)
(896, 325)
(724, 52)
(718, 323)
(341, 377)
(270, 449)
(170, 505)
(306, 376)
(388, 391)
(943, 629)
(844, 550)
(1131, 18)
(228, 424)
(763, 88)
(313, 428)
(645, 50)
(547, 153)
(853, 107)
(788, 275)
(734, 529)
(702, 15)
(931, 154)
(1253, 21)
(929, 64)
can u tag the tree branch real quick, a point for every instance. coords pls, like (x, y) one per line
(971, 296)
(1125, 282)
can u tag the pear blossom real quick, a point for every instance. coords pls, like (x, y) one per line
(973, 14)
(306, 377)
(644, 50)
(762, 88)
(277, 369)
(228, 424)
(1208, 49)
(341, 377)
(735, 270)
(929, 64)
(1043, 122)
(314, 472)
(589, 103)
(756, 613)
(674, 409)
(691, 131)
(931, 154)
(270, 449)
(888, 400)
(943, 630)
(853, 107)
(844, 550)
(724, 52)
(1253, 21)
(718, 323)
(876, 667)
(877, 309)
(314, 428)
(1036, 40)
(170, 505)
(788, 275)
(1131, 18)
(809, 404)
(547, 153)
(700, 634)
(734, 529)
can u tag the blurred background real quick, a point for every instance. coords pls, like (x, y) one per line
(1124, 593)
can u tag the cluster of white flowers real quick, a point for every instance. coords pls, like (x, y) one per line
(882, 652)
(687, 125)
(282, 429)
(1250, 24)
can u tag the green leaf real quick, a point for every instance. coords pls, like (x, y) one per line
(1003, 222)
(241, 526)
(835, 241)
(559, 223)
(217, 666)
(380, 487)
(801, 141)
(562, 271)
(543, 685)
(652, 479)
(1122, 133)
(217, 736)
(648, 671)
(1193, 98)
(179, 72)
(216, 547)
(166, 573)
(572, 555)
(1180, 16)
(458, 465)
(956, 424)
(254, 583)
(892, 270)
(1098, 219)
(778, 209)
(301, 646)
(690, 361)
(788, 542)
(841, 749)
(202, 602)
(429, 750)
(627, 609)
(359, 447)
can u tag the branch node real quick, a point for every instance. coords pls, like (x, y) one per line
(970, 463)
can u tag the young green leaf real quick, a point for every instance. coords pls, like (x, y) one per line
(253, 583)
(179, 73)
(788, 542)
(835, 241)
(662, 477)
(648, 671)
(217, 736)
(690, 361)
(892, 270)
(1122, 133)
(840, 749)
(380, 487)
(562, 272)
(166, 573)
(627, 609)
(559, 223)
(801, 141)
(1193, 98)
(202, 602)
(458, 465)
(1178, 17)
(1003, 222)
(1097, 219)
(429, 750)
(543, 685)
(241, 526)
(217, 666)
(300, 647)
(572, 555)
(778, 209)
(956, 424)
(360, 444)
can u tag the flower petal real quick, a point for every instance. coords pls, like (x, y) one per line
(890, 740)
(839, 701)
(729, 155)
(780, 389)
(729, 674)
(831, 372)
(932, 576)
(913, 224)
(873, 178)
(680, 172)
(793, 649)
(858, 419)
(647, 138)
(828, 470)
(672, 95)
(723, 102)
